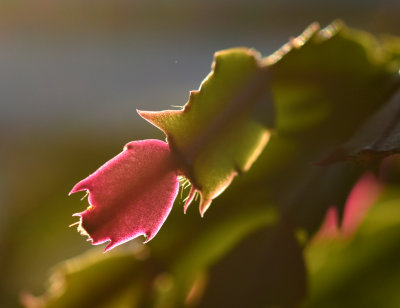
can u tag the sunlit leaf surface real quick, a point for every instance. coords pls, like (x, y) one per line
(214, 134)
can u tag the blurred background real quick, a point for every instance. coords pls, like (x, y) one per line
(73, 73)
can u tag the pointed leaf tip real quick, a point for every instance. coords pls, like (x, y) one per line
(204, 205)
(189, 199)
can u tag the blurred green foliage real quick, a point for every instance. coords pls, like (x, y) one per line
(362, 271)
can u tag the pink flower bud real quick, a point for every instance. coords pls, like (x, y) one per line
(130, 195)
